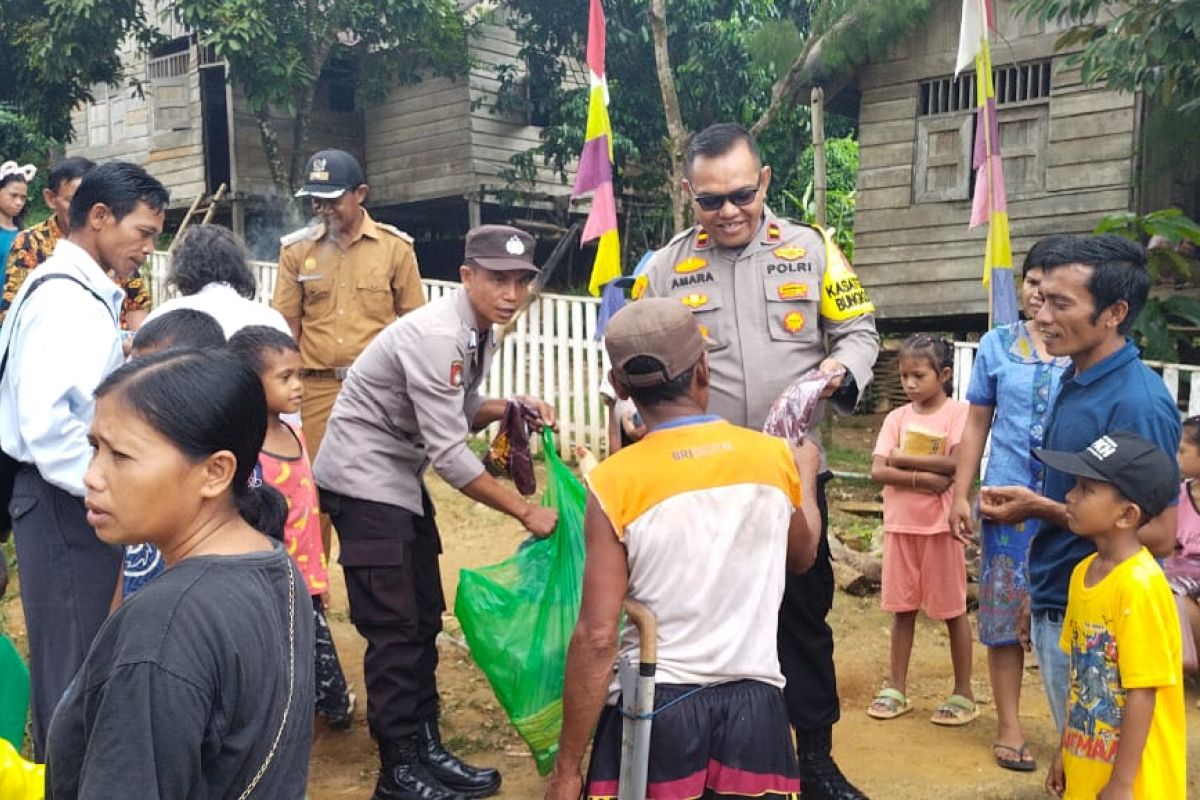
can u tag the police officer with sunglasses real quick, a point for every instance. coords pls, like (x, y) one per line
(778, 299)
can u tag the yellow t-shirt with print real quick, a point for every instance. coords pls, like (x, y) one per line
(1123, 633)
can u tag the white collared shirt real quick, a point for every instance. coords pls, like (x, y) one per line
(222, 302)
(60, 347)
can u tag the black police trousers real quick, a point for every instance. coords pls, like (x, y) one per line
(390, 559)
(805, 638)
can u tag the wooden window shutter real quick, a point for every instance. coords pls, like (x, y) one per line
(943, 165)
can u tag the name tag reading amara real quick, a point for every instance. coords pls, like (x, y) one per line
(692, 280)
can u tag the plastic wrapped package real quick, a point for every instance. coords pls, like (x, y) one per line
(792, 413)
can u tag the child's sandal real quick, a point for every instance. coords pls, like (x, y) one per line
(889, 703)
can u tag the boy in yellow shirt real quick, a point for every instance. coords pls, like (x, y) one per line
(1125, 732)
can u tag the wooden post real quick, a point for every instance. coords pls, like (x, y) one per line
(474, 210)
(820, 185)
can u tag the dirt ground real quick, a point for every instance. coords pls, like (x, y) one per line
(901, 759)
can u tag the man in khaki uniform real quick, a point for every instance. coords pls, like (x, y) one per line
(777, 299)
(408, 404)
(340, 282)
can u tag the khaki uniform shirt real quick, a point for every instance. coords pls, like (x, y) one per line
(344, 298)
(408, 402)
(774, 310)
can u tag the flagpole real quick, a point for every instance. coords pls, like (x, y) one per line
(983, 77)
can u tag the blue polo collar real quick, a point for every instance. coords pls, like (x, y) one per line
(679, 422)
(1105, 367)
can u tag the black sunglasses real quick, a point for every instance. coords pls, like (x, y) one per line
(739, 197)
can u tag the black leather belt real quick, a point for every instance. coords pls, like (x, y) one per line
(336, 373)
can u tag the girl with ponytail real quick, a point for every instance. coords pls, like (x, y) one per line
(201, 684)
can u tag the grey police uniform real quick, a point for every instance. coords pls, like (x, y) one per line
(407, 402)
(770, 308)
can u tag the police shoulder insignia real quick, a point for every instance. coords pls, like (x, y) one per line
(456, 373)
(790, 252)
(793, 322)
(774, 234)
(394, 231)
(639, 287)
(694, 300)
(702, 238)
(792, 291)
(690, 265)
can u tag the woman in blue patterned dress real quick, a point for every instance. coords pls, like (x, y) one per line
(1013, 385)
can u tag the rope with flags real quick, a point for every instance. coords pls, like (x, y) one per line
(990, 203)
(595, 173)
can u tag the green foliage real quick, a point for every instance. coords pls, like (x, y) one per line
(1138, 45)
(55, 51)
(1162, 326)
(21, 141)
(841, 173)
(726, 56)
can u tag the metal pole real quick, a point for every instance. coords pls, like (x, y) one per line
(635, 734)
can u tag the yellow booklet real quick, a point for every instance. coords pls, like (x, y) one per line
(919, 442)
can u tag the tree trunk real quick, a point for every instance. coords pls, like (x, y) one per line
(676, 132)
(270, 144)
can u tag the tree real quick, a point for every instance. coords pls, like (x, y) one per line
(277, 52)
(1149, 46)
(749, 61)
(56, 50)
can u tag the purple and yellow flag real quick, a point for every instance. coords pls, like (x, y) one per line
(595, 162)
(990, 203)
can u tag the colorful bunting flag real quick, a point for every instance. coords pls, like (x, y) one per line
(990, 203)
(595, 162)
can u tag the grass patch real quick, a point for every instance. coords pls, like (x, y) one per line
(844, 459)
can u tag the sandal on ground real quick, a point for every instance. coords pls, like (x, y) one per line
(956, 711)
(1018, 759)
(889, 703)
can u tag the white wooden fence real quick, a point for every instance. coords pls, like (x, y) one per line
(550, 353)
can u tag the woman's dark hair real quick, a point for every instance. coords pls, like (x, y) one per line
(1119, 271)
(937, 351)
(211, 254)
(205, 401)
(68, 169)
(677, 387)
(252, 343)
(120, 186)
(181, 328)
(14, 177)
(1191, 430)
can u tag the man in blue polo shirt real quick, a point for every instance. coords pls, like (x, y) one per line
(1094, 287)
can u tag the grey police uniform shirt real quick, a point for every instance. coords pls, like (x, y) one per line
(408, 402)
(761, 306)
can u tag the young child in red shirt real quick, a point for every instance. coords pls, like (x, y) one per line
(284, 465)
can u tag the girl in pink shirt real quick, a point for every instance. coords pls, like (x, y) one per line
(1183, 566)
(284, 465)
(924, 565)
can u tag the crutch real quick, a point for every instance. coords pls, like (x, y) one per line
(637, 703)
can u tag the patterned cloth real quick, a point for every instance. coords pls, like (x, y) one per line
(333, 695)
(292, 478)
(1010, 377)
(34, 245)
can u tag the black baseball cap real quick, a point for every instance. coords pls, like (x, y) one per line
(329, 173)
(1138, 468)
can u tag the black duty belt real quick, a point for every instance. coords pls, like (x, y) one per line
(336, 373)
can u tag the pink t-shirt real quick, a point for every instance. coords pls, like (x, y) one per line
(904, 510)
(292, 478)
(1187, 531)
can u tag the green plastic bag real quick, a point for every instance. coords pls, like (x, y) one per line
(518, 615)
(14, 692)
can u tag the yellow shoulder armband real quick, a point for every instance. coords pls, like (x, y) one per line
(842, 296)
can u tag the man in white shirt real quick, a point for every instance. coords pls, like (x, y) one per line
(210, 268)
(60, 344)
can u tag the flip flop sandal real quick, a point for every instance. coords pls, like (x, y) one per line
(956, 711)
(1013, 758)
(889, 704)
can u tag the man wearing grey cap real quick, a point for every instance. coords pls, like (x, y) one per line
(408, 402)
(697, 507)
(340, 282)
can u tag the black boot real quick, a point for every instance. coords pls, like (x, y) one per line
(443, 765)
(820, 778)
(404, 777)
